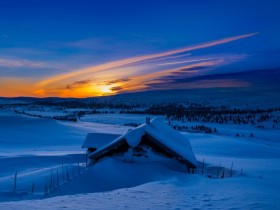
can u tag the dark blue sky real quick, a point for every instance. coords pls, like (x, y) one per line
(47, 38)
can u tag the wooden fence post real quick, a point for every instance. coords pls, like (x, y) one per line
(51, 180)
(67, 174)
(32, 188)
(78, 168)
(223, 175)
(15, 182)
(46, 186)
(57, 179)
(203, 166)
(73, 172)
(62, 173)
(230, 174)
(218, 170)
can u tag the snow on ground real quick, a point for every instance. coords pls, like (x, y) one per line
(34, 146)
(117, 119)
(189, 193)
(29, 134)
(266, 135)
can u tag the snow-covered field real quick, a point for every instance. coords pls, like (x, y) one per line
(117, 119)
(37, 147)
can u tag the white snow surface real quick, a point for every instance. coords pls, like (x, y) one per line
(133, 137)
(34, 146)
(117, 119)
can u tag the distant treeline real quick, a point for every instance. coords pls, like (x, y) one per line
(196, 128)
(185, 113)
(211, 114)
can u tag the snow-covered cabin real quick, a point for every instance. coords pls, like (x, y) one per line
(154, 135)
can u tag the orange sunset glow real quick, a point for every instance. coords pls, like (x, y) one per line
(128, 75)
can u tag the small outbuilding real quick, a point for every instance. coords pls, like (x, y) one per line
(153, 136)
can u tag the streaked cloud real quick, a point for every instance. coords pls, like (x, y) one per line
(20, 63)
(214, 83)
(135, 60)
(117, 88)
(136, 73)
(116, 81)
(208, 58)
(78, 84)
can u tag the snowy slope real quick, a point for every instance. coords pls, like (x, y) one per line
(29, 134)
(188, 193)
(114, 184)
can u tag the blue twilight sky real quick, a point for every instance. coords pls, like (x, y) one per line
(82, 48)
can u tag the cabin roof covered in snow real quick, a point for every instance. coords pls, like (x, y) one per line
(162, 133)
(98, 140)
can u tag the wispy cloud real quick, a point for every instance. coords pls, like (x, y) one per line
(78, 84)
(213, 83)
(157, 70)
(189, 61)
(117, 88)
(137, 60)
(20, 63)
(116, 81)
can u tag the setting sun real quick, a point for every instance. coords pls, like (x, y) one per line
(106, 89)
